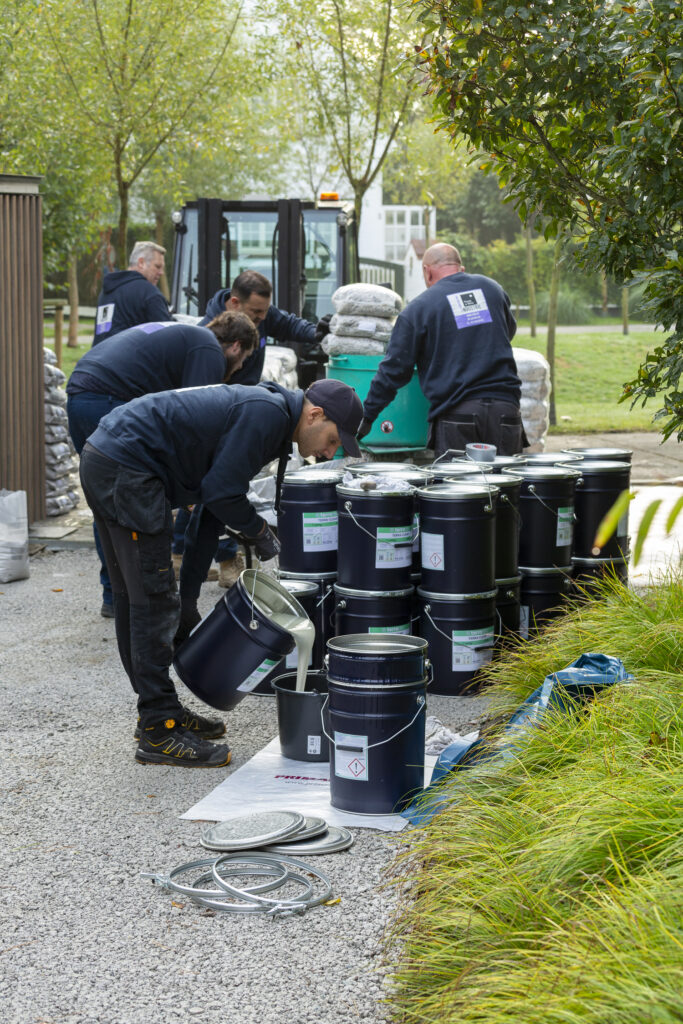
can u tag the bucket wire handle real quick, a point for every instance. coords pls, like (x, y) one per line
(504, 497)
(556, 513)
(253, 624)
(372, 536)
(450, 639)
(449, 451)
(421, 701)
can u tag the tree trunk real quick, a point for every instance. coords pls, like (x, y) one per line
(159, 217)
(603, 288)
(624, 310)
(72, 279)
(531, 286)
(123, 226)
(552, 324)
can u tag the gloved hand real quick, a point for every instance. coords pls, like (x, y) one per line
(189, 617)
(266, 544)
(322, 327)
(364, 428)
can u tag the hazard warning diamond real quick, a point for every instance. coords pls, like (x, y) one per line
(435, 559)
(357, 767)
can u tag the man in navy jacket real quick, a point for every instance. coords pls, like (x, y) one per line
(163, 451)
(131, 297)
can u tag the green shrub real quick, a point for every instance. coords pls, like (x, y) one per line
(572, 307)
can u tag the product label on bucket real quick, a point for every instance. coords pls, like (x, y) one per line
(321, 531)
(312, 744)
(472, 648)
(350, 756)
(565, 526)
(252, 681)
(394, 547)
(390, 629)
(432, 551)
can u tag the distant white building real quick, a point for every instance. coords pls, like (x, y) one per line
(395, 234)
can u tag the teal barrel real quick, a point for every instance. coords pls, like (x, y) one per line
(403, 424)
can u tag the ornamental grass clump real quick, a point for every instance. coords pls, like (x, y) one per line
(551, 887)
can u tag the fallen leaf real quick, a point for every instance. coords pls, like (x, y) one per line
(58, 590)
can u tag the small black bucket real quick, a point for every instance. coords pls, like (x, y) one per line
(458, 537)
(362, 611)
(546, 508)
(507, 520)
(588, 571)
(376, 536)
(600, 485)
(307, 521)
(543, 597)
(508, 603)
(237, 644)
(377, 705)
(459, 629)
(300, 717)
(306, 593)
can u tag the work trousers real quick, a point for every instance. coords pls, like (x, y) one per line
(479, 421)
(186, 522)
(135, 524)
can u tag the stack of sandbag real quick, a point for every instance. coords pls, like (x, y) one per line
(280, 366)
(61, 464)
(364, 318)
(534, 372)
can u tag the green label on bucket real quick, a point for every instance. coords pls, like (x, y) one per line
(252, 681)
(390, 629)
(321, 531)
(565, 526)
(350, 756)
(394, 547)
(472, 648)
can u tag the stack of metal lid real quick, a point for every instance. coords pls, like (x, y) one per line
(286, 832)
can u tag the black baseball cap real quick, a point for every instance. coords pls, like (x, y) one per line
(341, 404)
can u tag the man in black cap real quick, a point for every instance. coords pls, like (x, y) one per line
(162, 451)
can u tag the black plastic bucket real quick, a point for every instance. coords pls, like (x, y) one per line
(507, 520)
(237, 644)
(300, 717)
(508, 603)
(460, 631)
(307, 521)
(458, 537)
(588, 571)
(363, 611)
(602, 454)
(377, 705)
(600, 485)
(306, 593)
(543, 597)
(546, 508)
(376, 536)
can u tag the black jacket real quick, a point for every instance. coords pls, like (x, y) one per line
(126, 300)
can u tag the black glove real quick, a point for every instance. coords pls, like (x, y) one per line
(266, 545)
(322, 327)
(189, 617)
(364, 428)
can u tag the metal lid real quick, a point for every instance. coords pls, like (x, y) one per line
(545, 472)
(310, 475)
(599, 561)
(358, 491)
(551, 570)
(623, 454)
(348, 592)
(452, 470)
(498, 462)
(333, 840)
(457, 492)
(376, 643)
(485, 594)
(376, 468)
(313, 826)
(308, 576)
(300, 588)
(588, 466)
(503, 480)
(508, 582)
(550, 458)
(250, 830)
(416, 477)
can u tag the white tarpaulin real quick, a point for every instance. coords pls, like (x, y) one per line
(271, 782)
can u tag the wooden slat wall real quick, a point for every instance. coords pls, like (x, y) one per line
(22, 396)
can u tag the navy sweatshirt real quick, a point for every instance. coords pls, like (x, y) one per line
(458, 333)
(153, 357)
(205, 444)
(126, 300)
(276, 324)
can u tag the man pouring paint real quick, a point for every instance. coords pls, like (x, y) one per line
(162, 451)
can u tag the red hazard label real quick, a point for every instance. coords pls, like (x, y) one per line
(357, 767)
(435, 559)
(387, 427)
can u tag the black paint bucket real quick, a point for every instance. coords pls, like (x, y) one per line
(508, 601)
(497, 464)
(376, 537)
(306, 593)
(588, 571)
(363, 611)
(602, 454)
(507, 520)
(457, 537)
(543, 597)
(459, 629)
(600, 485)
(377, 712)
(300, 717)
(307, 521)
(552, 459)
(323, 618)
(413, 475)
(546, 508)
(237, 644)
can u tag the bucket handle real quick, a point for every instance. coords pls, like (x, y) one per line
(505, 498)
(532, 491)
(427, 609)
(481, 468)
(372, 536)
(421, 702)
(449, 451)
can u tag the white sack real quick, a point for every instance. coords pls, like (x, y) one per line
(376, 327)
(13, 536)
(335, 344)
(367, 300)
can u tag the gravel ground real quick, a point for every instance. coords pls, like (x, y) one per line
(86, 940)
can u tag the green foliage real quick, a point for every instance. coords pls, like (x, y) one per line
(578, 105)
(571, 307)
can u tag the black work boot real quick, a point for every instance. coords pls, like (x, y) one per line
(169, 743)
(205, 728)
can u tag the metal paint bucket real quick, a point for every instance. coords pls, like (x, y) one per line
(499, 463)
(413, 475)
(324, 611)
(600, 485)
(543, 597)
(237, 644)
(377, 705)
(508, 602)
(300, 716)
(507, 520)
(551, 459)
(546, 507)
(588, 571)
(376, 536)
(602, 454)
(306, 593)
(457, 537)
(363, 611)
(307, 521)
(459, 629)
